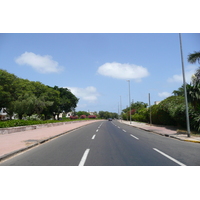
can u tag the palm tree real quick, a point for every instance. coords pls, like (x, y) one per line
(194, 57)
(179, 92)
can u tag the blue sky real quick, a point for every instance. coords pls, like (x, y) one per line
(95, 66)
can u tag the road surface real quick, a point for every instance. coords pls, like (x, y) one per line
(109, 143)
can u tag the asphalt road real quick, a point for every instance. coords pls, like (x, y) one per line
(110, 143)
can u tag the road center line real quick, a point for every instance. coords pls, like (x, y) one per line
(97, 130)
(93, 137)
(134, 137)
(82, 162)
(100, 125)
(123, 130)
(176, 161)
(118, 127)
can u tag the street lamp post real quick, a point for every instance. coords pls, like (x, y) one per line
(185, 92)
(129, 99)
(150, 110)
(120, 108)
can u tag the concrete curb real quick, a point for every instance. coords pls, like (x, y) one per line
(195, 141)
(8, 155)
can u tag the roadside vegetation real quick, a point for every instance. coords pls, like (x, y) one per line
(30, 103)
(171, 111)
(23, 98)
(18, 122)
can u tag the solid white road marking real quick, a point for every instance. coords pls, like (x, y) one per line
(93, 137)
(176, 161)
(135, 137)
(123, 130)
(82, 162)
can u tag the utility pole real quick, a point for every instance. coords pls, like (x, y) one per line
(185, 91)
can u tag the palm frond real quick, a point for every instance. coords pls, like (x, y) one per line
(194, 57)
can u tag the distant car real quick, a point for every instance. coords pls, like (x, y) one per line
(109, 119)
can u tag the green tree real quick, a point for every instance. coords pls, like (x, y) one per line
(7, 88)
(179, 92)
(52, 95)
(26, 97)
(106, 115)
(67, 103)
(135, 106)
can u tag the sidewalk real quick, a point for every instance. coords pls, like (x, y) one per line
(13, 143)
(167, 131)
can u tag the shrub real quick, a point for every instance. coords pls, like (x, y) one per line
(139, 118)
(13, 123)
(92, 116)
(195, 121)
(73, 117)
(83, 116)
(141, 115)
(160, 116)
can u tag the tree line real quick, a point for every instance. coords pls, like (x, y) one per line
(106, 115)
(25, 98)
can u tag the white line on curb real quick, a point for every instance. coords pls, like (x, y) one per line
(176, 161)
(135, 137)
(82, 162)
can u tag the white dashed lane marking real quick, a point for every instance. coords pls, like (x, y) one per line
(134, 137)
(83, 159)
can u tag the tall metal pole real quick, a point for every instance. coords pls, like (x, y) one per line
(127, 114)
(150, 109)
(185, 91)
(120, 108)
(129, 99)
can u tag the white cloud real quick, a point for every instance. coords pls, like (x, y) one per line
(123, 71)
(42, 64)
(164, 94)
(88, 94)
(178, 78)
